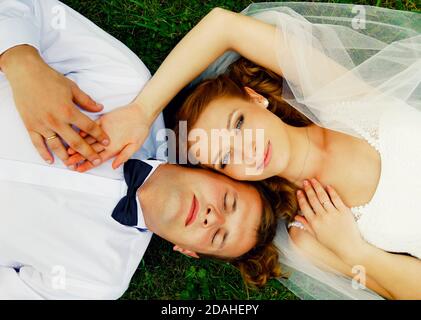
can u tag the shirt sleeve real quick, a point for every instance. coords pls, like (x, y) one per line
(19, 24)
(13, 288)
(30, 284)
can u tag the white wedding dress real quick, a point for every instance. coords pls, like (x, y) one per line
(391, 220)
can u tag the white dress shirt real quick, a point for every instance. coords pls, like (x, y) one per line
(57, 237)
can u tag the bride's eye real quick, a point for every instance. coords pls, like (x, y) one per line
(239, 122)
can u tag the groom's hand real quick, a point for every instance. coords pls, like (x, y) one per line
(46, 102)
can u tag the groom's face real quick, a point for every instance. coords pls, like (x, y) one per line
(205, 212)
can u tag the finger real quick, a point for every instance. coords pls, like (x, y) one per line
(322, 196)
(306, 225)
(337, 201)
(77, 143)
(124, 155)
(70, 151)
(85, 166)
(305, 206)
(90, 140)
(107, 155)
(39, 143)
(77, 157)
(313, 199)
(84, 101)
(92, 128)
(83, 134)
(56, 146)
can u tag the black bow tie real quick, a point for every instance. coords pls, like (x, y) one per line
(135, 173)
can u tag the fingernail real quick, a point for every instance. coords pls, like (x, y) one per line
(49, 161)
(105, 142)
(71, 167)
(99, 105)
(306, 183)
(96, 162)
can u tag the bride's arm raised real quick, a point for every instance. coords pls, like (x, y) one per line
(218, 32)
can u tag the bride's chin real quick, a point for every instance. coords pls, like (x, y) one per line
(257, 175)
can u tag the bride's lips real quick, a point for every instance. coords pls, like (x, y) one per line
(268, 155)
(192, 214)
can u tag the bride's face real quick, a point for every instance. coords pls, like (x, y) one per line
(241, 139)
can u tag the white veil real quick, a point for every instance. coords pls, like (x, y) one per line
(374, 64)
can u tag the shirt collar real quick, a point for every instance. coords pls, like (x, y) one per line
(141, 225)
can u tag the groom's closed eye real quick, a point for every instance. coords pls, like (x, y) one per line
(230, 202)
(220, 237)
(230, 205)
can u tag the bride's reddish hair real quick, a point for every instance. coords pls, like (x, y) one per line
(261, 263)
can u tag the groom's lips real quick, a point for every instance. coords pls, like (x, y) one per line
(192, 214)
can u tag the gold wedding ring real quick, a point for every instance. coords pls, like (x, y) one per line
(52, 137)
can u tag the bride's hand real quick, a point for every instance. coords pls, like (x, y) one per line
(127, 127)
(330, 219)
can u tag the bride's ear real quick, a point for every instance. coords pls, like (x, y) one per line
(186, 252)
(257, 98)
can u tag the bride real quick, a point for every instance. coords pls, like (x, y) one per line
(379, 150)
(348, 79)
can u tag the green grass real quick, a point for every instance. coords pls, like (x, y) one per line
(151, 28)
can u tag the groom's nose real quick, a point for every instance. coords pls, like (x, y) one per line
(212, 217)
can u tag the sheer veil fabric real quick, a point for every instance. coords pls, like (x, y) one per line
(344, 66)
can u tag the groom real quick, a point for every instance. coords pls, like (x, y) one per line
(66, 235)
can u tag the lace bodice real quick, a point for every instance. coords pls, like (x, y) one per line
(397, 197)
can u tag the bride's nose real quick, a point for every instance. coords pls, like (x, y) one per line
(212, 217)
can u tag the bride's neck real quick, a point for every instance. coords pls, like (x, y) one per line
(307, 154)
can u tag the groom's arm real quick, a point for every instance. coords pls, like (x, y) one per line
(13, 288)
(31, 284)
(18, 25)
(31, 78)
